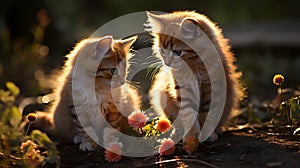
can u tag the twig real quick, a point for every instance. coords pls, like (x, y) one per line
(11, 156)
(178, 159)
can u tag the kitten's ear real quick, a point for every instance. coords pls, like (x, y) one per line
(102, 46)
(127, 43)
(190, 28)
(156, 20)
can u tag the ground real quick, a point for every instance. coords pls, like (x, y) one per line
(244, 147)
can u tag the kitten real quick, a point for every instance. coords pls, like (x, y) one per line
(100, 92)
(164, 94)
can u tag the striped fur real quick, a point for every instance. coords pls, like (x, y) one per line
(97, 86)
(171, 50)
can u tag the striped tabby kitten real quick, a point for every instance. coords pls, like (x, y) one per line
(97, 87)
(172, 51)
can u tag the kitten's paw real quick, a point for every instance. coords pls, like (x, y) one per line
(191, 144)
(212, 138)
(87, 146)
(77, 139)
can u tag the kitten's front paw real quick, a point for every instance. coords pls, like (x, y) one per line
(212, 138)
(191, 144)
(87, 146)
(77, 139)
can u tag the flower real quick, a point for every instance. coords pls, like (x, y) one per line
(278, 79)
(191, 144)
(163, 125)
(113, 152)
(32, 155)
(137, 119)
(26, 145)
(167, 147)
(31, 117)
(43, 18)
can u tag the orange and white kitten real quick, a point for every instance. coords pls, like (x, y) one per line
(90, 91)
(173, 52)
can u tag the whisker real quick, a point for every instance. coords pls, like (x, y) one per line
(153, 69)
(136, 85)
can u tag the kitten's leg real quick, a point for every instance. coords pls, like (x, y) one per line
(188, 113)
(77, 139)
(110, 139)
(214, 136)
(86, 143)
(109, 136)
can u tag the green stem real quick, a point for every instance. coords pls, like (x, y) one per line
(28, 128)
(281, 95)
(291, 118)
(141, 131)
(288, 117)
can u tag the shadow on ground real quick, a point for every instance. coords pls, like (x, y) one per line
(242, 148)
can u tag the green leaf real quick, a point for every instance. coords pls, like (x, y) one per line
(15, 117)
(44, 141)
(5, 96)
(284, 107)
(5, 116)
(2, 93)
(11, 116)
(13, 88)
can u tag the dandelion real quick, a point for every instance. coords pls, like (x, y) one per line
(167, 147)
(278, 79)
(113, 152)
(137, 119)
(163, 125)
(31, 117)
(191, 144)
(31, 154)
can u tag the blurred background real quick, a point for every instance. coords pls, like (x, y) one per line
(35, 36)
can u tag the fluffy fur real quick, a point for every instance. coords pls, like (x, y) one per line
(173, 52)
(90, 91)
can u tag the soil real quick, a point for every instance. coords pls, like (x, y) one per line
(243, 147)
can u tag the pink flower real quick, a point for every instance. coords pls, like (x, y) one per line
(26, 145)
(167, 147)
(32, 155)
(137, 119)
(113, 152)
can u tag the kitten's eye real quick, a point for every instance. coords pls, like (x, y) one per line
(112, 70)
(177, 52)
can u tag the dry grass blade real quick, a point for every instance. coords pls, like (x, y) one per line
(175, 160)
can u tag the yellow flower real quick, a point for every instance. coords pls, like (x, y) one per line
(31, 117)
(278, 79)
